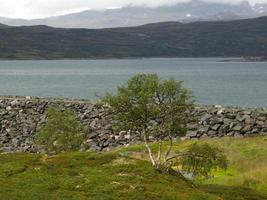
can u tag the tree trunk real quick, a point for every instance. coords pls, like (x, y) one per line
(169, 150)
(159, 154)
(149, 151)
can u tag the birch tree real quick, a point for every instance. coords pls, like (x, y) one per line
(160, 108)
(152, 107)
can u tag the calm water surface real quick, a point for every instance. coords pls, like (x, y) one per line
(213, 82)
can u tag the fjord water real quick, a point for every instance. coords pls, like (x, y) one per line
(212, 81)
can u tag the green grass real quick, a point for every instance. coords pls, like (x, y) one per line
(88, 176)
(248, 163)
(104, 176)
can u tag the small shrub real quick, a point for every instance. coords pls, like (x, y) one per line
(202, 159)
(62, 132)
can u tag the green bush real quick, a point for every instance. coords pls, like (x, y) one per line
(62, 132)
(202, 159)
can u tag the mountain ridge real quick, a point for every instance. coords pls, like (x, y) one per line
(238, 38)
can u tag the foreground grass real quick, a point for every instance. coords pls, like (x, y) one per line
(89, 176)
(104, 176)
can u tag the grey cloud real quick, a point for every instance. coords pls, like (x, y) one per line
(45, 8)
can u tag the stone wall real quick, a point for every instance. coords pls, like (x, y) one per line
(218, 121)
(20, 118)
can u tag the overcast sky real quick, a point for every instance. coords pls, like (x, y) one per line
(43, 8)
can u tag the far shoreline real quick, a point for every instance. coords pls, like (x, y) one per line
(95, 101)
(216, 59)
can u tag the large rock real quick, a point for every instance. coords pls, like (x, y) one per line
(191, 134)
(237, 127)
(205, 117)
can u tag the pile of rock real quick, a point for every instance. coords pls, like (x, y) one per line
(218, 121)
(99, 131)
(20, 118)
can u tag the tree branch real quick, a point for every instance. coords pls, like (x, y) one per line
(169, 150)
(185, 154)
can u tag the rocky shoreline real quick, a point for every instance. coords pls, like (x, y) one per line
(21, 117)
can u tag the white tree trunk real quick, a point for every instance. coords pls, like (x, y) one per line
(159, 153)
(149, 151)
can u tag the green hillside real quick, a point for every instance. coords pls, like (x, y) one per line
(104, 176)
(169, 39)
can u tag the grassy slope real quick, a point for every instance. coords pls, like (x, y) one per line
(110, 176)
(248, 166)
(248, 162)
(88, 176)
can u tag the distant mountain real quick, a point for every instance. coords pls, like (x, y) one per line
(169, 39)
(195, 10)
(3, 26)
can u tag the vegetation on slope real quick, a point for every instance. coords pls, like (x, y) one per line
(169, 39)
(248, 159)
(247, 164)
(88, 176)
(116, 176)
